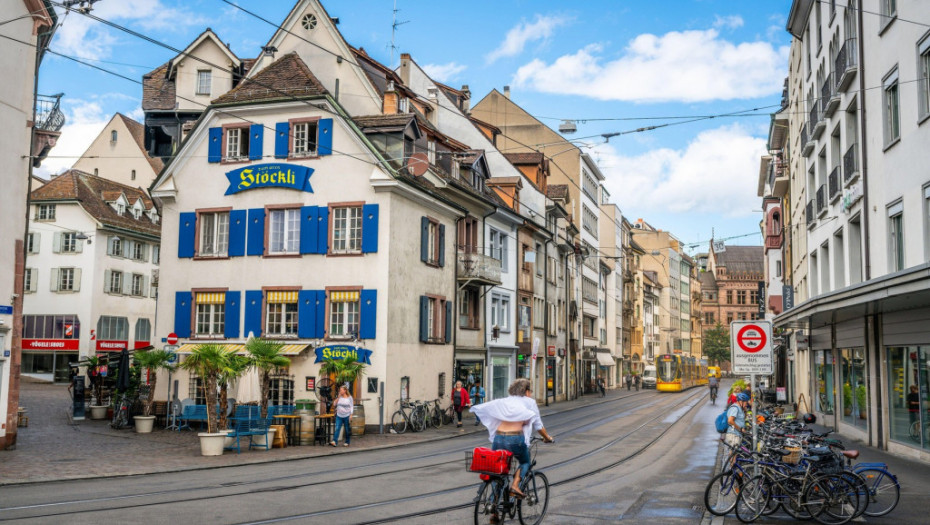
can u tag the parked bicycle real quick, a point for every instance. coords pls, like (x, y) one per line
(121, 411)
(412, 415)
(495, 502)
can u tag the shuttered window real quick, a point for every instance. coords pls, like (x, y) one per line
(211, 313)
(282, 313)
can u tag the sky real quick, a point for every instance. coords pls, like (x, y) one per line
(611, 66)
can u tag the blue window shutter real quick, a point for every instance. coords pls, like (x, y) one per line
(424, 318)
(281, 139)
(306, 314)
(442, 245)
(215, 145)
(369, 228)
(319, 324)
(187, 231)
(308, 230)
(232, 315)
(325, 137)
(182, 313)
(322, 231)
(237, 222)
(256, 239)
(424, 239)
(368, 312)
(253, 312)
(448, 322)
(256, 136)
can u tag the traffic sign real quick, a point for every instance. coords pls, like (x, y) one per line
(172, 339)
(751, 347)
(173, 351)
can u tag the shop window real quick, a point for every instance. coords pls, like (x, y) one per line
(909, 395)
(211, 314)
(343, 314)
(111, 328)
(281, 313)
(855, 388)
(143, 330)
(823, 376)
(214, 234)
(195, 390)
(51, 327)
(347, 230)
(284, 231)
(281, 389)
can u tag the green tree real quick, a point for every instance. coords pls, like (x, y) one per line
(265, 356)
(716, 343)
(152, 361)
(208, 361)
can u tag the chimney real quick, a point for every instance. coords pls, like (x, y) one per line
(466, 97)
(507, 91)
(404, 70)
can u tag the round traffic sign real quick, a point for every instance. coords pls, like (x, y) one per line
(751, 338)
(172, 339)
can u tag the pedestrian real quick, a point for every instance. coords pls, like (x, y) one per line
(636, 381)
(601, 387)
(471, 379)
(477, 397)
(343, 407)
(913, 403)
(628, 379)
(732, 399)
(460, 400)
(511, 422)
(736, 420)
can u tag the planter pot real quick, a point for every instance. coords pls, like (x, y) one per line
(228, 442)
(847, 411)
(863, 415)
(144, 424)
(211, 444)
(98, 412)
(260, 441)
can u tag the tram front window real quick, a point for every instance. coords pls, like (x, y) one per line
(667, 371)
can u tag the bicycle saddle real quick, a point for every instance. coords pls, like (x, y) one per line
(851, 454)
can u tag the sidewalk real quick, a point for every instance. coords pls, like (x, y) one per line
(51, 448)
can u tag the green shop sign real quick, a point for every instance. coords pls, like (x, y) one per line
(269, 176)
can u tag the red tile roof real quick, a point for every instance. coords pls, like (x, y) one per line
(158, 91)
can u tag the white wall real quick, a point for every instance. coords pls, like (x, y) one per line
(117, 161)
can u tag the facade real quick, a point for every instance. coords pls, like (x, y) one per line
(856, 344)
(92, 274)
(733, 277)
(119, 154)
(31, 127)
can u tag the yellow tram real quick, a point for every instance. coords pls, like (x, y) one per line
(675, 373)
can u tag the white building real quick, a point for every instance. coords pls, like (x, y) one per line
(118, 154)
(92, 273)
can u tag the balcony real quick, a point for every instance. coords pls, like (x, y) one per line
(816, 122)
(829, 97)
(807, 145)
(833, 183)
(478, 269)
(809, 211)
(851, 165)
(774, 241)
(821, 201)
(627, 276)
(48, 124)
(781, 182)
(846, 65)
(627, 308)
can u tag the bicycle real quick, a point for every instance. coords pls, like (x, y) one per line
(434, 413)
(494, 498)
(121, 412)
(713, 395)
(400, 420)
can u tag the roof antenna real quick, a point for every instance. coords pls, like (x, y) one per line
(394, 25)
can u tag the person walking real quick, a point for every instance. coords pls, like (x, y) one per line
(460, 400)
(629, 380)
(636, 381)
(343, 407)
(600, 386)
(477, 397)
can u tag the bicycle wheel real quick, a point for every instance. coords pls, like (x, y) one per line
(883, 491)
(399, 422)
(832, 500)
(487, 503)
(447, 416)
(532, 508)
(435, 417)
(792, 499)
(417, 420)
(862, 491)
(721, 492)
(752, 500)
(914, 431)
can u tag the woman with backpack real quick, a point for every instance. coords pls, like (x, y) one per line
(460, 400)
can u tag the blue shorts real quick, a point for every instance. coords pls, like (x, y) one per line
(516, 445)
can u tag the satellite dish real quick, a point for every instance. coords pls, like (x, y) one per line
(417, 164)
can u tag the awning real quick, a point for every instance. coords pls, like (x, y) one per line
(343, 297)
(604, 358)
(288, 350)
(282, 297)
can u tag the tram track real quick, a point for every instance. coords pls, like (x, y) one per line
(571, 417)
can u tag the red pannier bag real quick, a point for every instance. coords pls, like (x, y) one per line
(490, 461)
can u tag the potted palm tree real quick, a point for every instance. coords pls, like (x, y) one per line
(235, 367)
(151, 361)
(861, 401)
(207, 361)
(98, 409)
(265, 356)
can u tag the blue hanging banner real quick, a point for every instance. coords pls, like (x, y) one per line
(361, 355)
(269, 176)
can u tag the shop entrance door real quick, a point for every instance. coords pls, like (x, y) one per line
(500, 377)
(469, 373)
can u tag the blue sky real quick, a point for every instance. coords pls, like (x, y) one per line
(598, 59)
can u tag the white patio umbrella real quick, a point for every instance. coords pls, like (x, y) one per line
(248, 388)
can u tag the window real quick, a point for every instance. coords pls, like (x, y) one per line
(156, 254)
(343, 314)
(281, 317)
(214, 234)
(753, 296)
(777, 268)
(539, 312)
(539, 260)
(66, 279)
(890, 116)
(115, 246)
(133, 177)
(442, 385)
(588, 326)
(923, 77)
(589, 290)
(110, 328)
(468, 308)
(432, 246)
(138, 251)
(143, 330)
(436, 320)
(498, 246)
(305, 139)
(729, 296)
(553, 318)
(69, 242)
(281, 388)
(138, 285)
(237, 143)
(709, 318)
(896, 237)
(889, 12)
(589, 185)
(114, 283)
(195, 390)
(203, 82)
(284, 231)
(211, 313)
(500, 312)
(729, 317)
(32, 242)
(347, 230)
(589, 221)
(926, 203)
(468, 235)
(45, 212)
(51, 327)
(113, 136)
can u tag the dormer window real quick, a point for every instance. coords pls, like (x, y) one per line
(203, 82)
(136, 212)
(120, 208)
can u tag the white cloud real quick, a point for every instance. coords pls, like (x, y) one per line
(84, 121)
(717, 173)
(443, 72)
(729, 22)
(687, 66)
(523, 33)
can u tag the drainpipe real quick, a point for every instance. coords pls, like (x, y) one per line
(863, 148)
(546, 323)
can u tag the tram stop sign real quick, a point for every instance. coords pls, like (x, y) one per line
(751, 347)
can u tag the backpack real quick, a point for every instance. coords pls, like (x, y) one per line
(457, 397)
(722, 422)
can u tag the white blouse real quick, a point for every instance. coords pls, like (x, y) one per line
(511, 408)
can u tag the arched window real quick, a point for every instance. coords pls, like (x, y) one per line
(113, 136)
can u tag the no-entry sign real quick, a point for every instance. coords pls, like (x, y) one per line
(172, 339)
(751, 347)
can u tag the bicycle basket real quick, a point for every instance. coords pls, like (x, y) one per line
(487, 461)
(794, 457)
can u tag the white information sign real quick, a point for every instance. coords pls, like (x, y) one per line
(751, 347)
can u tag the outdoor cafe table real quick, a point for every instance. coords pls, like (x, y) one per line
(324, 422)
(288, 420)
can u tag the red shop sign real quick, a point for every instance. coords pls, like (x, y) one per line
(50, 344)
(139, 344)
(111, 346)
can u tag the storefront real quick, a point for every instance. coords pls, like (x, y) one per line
(50, 343)
(501, 372)
(469, 371)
